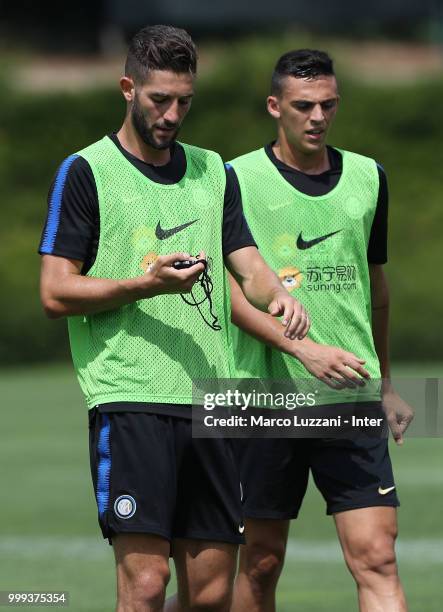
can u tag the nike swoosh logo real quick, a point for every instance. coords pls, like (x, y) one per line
(162, 234)
(276, 205)
(307, 244)
(385, 491)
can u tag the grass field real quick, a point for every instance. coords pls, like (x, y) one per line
(50, 538)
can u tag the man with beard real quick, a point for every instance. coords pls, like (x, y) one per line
(123, 215)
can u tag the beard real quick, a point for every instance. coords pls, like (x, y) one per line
(140, 122)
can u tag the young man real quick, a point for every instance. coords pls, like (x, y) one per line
(319, 216)
(122, 214)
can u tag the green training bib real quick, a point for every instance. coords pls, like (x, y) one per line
(318, 247)
(151, 350)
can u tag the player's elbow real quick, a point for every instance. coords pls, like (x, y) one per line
(52, 308)
(53, 311)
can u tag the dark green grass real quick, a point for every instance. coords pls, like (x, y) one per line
(50, 538)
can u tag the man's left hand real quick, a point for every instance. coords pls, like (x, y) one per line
(295, 317)
(398, 413)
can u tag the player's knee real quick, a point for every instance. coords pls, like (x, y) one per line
(215, 596)
(264, 563)
(371, 557)
(145, 588)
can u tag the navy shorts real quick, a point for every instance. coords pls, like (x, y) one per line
(349, 473)
(151, 476)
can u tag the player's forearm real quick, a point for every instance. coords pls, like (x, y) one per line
(267, 329)
(82, 295)
(261, 286)
(261, 325)
(380, 333)
(380, 321)
(65, 292)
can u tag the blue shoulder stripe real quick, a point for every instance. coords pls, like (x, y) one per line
(230, 171)
(55, 205)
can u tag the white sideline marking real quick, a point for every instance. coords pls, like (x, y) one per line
(422, 552)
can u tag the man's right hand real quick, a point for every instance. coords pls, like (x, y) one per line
(65, 291)
(332, 365)
(161, 277)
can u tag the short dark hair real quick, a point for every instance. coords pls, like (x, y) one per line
(160, 47)
(301, 64)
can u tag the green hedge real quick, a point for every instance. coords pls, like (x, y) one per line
(400, 126)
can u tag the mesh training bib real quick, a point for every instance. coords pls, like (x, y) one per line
(318, 248)
(152, 349)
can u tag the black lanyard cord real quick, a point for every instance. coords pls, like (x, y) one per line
(207, 285)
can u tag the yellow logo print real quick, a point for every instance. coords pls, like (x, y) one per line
(143, 238)
(147, 261)
(284, 246)
(290, 277)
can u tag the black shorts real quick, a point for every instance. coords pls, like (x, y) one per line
(151, 476)
(349, 473)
